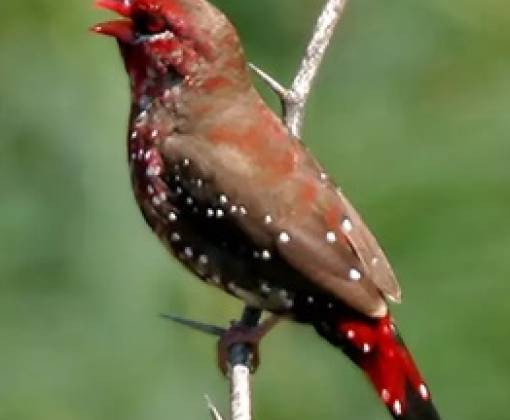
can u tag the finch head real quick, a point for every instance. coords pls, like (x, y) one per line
(172, 36)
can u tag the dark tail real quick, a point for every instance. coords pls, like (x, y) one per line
(376, 347)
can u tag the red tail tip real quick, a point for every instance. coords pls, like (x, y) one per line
(385, 359)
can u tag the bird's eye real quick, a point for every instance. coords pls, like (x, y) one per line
(149, 24)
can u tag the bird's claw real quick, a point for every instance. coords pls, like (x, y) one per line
(244, 341)
(237, 344)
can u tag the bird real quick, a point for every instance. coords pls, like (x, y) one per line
(242, 203)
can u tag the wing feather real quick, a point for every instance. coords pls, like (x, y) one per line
(296, 212)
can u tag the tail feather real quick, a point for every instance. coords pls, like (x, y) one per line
(376, 347)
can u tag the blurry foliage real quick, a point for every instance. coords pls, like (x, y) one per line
(410, 115)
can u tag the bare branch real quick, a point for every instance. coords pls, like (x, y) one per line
(239, 359)
(240, 393)
(295, 109)
(295, 98)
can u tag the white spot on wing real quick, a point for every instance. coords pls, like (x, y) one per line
(354, 274)
(284, 237)
(347, 225)
(331, 237)
(223, 199)
(264, 288)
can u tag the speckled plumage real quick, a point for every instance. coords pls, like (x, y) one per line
(240, 202)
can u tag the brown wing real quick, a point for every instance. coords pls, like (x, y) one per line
(369, 252)
(290, 207)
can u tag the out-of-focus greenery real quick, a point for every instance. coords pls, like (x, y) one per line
(410, 115)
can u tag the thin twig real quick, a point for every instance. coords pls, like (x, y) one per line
(295, 98)
(239, 360)
(240, 393)
(295, 111)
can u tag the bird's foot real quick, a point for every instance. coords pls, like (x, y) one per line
(241, 341)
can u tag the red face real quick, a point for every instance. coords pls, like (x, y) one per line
(156, 37)
(187, 39)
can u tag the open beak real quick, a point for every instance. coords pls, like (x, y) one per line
(122, 29)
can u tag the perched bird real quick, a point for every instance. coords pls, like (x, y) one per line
(242, 203)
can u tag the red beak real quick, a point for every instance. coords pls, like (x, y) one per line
(122, 29)
(122, 7)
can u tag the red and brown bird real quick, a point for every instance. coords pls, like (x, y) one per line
(242, 203)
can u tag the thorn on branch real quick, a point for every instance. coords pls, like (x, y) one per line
(283, 93)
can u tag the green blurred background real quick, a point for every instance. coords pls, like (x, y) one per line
(409, 114)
